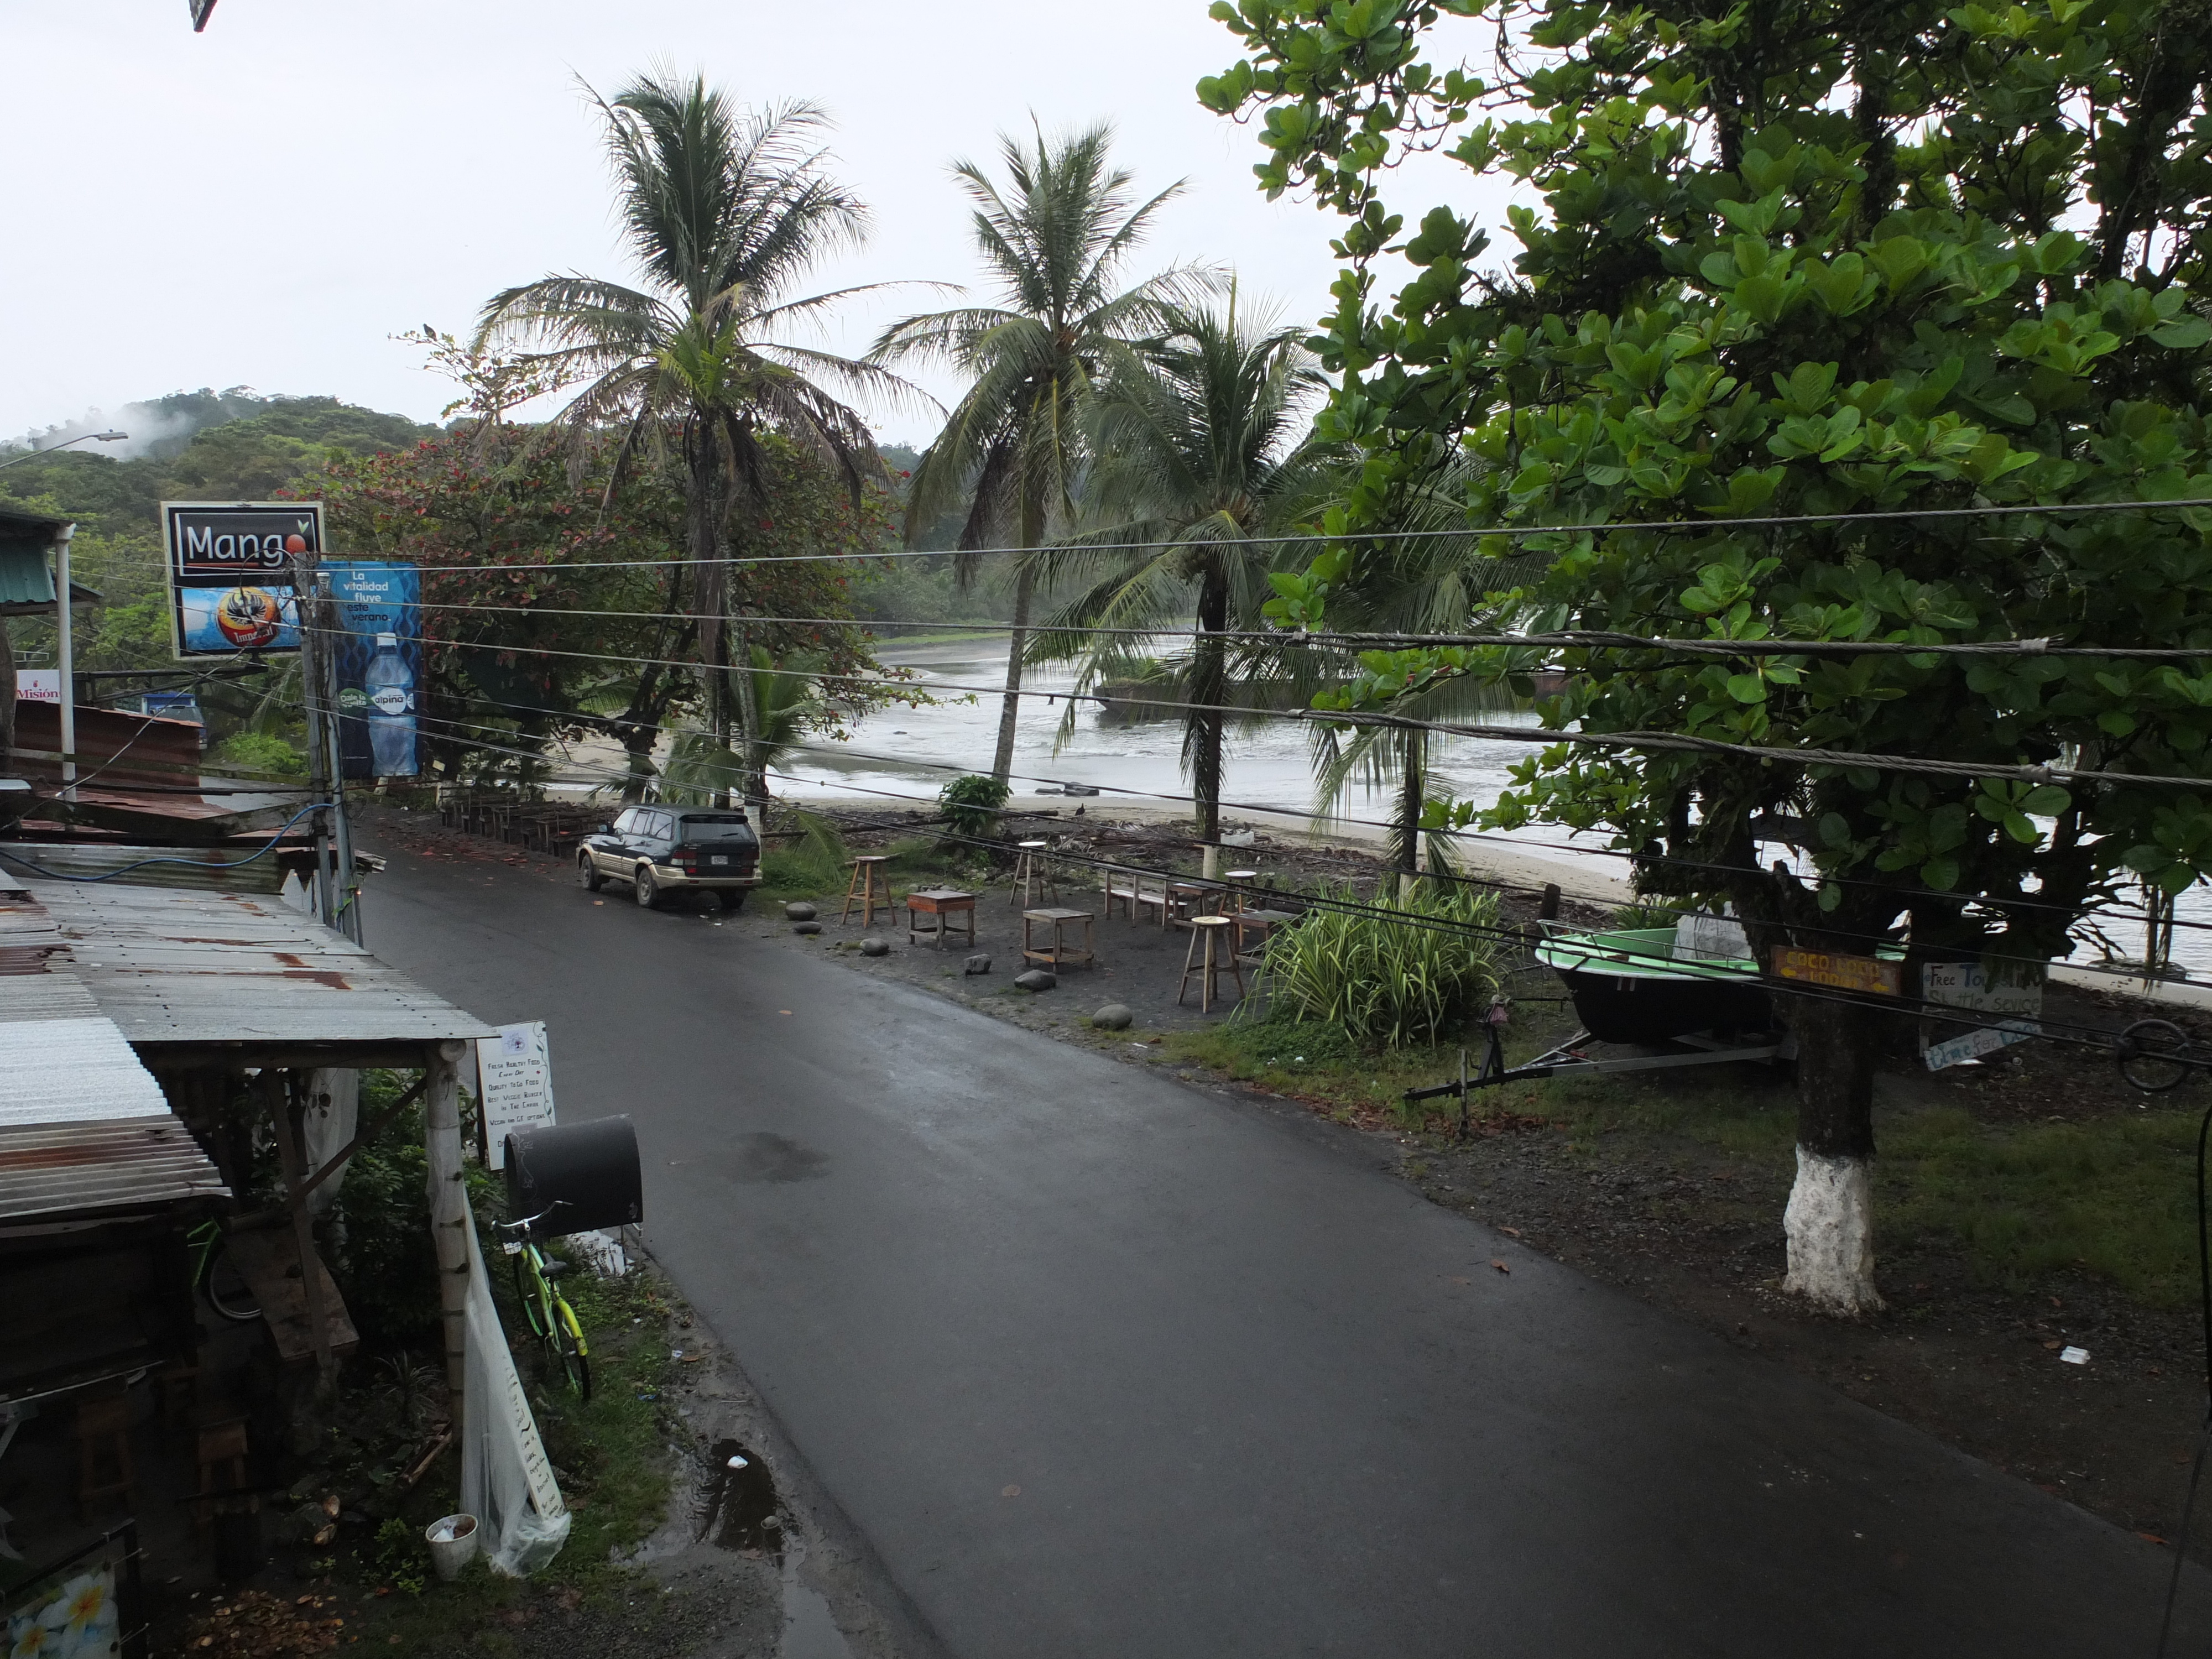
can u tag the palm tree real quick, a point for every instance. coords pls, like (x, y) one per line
(1429, 583)
(1013, 448)
(788, 701)
(725, 211)
(1197, 448)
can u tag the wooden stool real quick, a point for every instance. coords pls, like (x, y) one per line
(1233, 903)
(1033, 875)
(1208, 961)
(870, 887)
(222, 1451)
(944, 904)
(179, 1388)
(103, 1431)
(1059, 953)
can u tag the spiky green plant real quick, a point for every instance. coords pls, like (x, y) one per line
(1401, 981)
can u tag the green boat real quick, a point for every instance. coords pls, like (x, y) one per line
(1628, 985)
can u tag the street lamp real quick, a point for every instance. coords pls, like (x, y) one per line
(82, 437)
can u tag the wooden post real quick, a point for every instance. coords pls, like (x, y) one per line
(449, 1211)
(303, 1227)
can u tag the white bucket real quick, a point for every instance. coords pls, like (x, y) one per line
(452, 1541)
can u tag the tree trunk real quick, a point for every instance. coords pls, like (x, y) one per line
(706, 520)
(1209, 694)
(1413, 792)
(1829, 1223)
(1002, 763)
(7, 704)
(752, 768)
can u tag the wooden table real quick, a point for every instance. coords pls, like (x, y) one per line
(1059, 953)
(941, 903)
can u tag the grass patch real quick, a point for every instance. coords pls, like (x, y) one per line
(2116, 1197)
(811, 869)
(610, 1456)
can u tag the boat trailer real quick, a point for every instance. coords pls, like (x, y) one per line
(1568, 1059)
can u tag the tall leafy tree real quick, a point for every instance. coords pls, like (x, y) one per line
(1797, 260)
(1014, 448)
(727, 210)
(1195, 436)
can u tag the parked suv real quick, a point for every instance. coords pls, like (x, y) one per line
(673, 849)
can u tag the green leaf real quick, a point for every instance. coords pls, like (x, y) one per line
(2183, 333)
(1747, 688)
(1940, 874)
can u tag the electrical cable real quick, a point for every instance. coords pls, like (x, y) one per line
(2065, 1031)
(1658, 526)
(1602, 900)
(1659, 741)
(2008, 902)
(1572, 639)
(12, 857)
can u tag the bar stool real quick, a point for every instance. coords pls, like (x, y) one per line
(1209, 961)
(870, 888)
(222, 1453)
(1234, 904)
(1033, 875)
(103, 1434)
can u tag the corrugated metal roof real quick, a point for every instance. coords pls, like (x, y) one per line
(73, 1071)
(52, 1170)
(25, 576)
(204, 869)
(84, 1127)
(184, 968)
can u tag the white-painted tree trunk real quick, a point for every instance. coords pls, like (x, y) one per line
(1830, 1228)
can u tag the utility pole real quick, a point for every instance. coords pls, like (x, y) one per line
(306, 607)
(66, 638)
(349, 880)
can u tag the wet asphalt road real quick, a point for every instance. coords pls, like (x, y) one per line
(1101, 1364)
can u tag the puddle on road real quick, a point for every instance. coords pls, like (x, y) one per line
(738, 1511)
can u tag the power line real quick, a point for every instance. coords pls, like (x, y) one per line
(1313, 817)
(2067, 1031)
(1504, 887)
(1638, 740)
(1604, 526)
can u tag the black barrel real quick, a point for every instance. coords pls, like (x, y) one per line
(590, 1169)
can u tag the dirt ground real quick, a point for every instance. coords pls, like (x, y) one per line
(1689, 1226)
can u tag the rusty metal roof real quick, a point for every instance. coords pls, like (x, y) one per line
(175, 968)
(51, 1171)
(84, 1128)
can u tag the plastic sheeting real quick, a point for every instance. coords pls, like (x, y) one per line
(333, 1111)
(507, 1482)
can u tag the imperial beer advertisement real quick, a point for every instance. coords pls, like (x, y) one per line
(230, 574)
(378, 662)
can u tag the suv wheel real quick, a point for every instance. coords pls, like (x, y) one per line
(648, 890)
(733, 898)
(588, 871)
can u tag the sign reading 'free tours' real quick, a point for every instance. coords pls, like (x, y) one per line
(230, 574)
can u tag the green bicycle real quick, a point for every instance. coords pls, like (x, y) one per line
(552, 1321)
(216, 1277)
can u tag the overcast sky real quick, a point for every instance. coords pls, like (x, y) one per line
(265, 204)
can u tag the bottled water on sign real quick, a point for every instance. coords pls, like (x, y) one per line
(390, 685)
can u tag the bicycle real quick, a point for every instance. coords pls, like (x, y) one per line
(217, 1277)
(551, 1320)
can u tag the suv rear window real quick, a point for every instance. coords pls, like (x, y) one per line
(731, 827)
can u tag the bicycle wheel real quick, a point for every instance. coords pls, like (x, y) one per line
(528, 1293)
(227, 1290)
(565, 1344)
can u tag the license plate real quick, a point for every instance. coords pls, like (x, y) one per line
(718, 858)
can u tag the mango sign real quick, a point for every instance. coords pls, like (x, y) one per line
(1839, 972)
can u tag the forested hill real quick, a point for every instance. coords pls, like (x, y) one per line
(223, 447)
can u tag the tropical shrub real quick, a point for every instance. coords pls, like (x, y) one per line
(970, 804)
(1388, 981)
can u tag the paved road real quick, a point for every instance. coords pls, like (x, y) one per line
(1257, 1397)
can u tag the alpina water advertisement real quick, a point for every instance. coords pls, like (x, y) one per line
(230, 574)
(378, 660)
